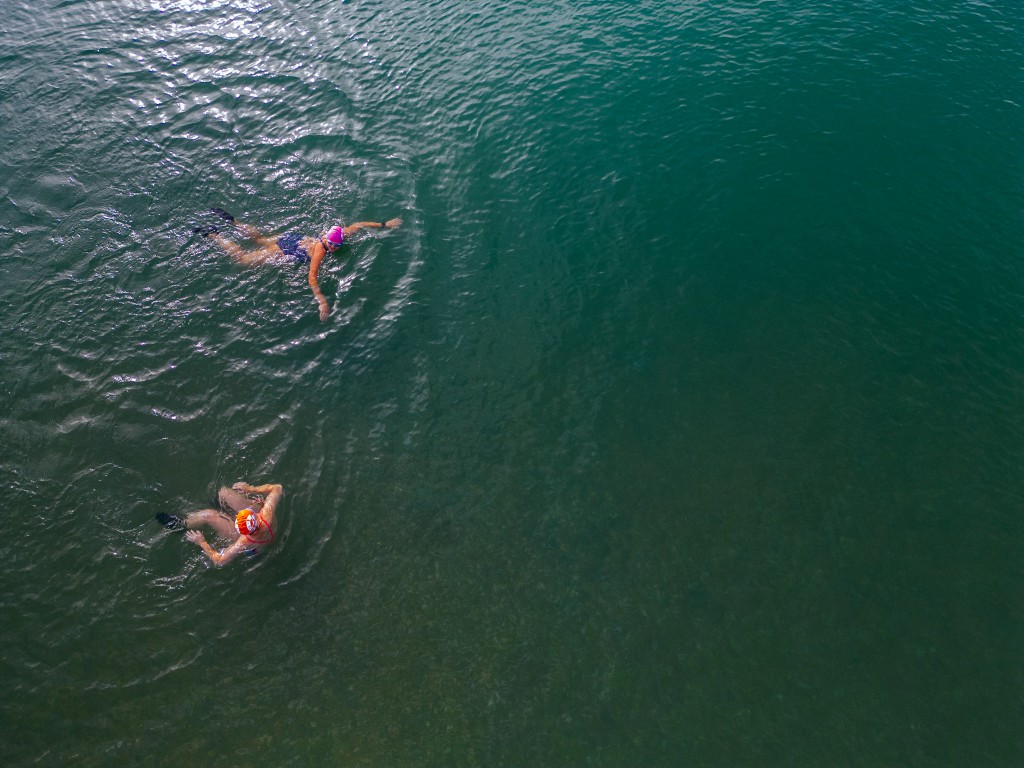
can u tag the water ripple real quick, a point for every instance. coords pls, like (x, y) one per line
(685, 297)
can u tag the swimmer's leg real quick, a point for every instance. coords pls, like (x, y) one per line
(233, 500)
(250, 232)
(220, 522)
(239, 254)
(247, 231)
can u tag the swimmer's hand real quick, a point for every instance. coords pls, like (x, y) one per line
(241, 486)
(325, 309)
(393, 224)
(195, 537)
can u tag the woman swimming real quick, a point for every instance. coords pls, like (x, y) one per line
(249, 527)
(289, 246)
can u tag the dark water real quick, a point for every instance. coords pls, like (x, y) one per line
(680, 423)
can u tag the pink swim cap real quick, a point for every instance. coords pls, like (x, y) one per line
(335, 235)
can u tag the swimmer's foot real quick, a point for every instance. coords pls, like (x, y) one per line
(205, 231)
(170, 522)
(223, 214)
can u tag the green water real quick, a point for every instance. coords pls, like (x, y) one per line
(680, 424)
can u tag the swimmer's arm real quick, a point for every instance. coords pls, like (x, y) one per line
(314, 267)
(275, 491)
(270, 503)
(217, 558)
(270, 488)
(351, 229)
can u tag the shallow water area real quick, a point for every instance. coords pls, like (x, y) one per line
(678, 424)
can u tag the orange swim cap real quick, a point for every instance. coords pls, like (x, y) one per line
(247, 522)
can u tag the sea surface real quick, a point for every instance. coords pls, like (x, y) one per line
(681, 423)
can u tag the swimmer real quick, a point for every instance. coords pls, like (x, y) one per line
(250, 526)
(301, 250)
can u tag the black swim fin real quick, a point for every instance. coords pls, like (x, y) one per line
(170, 522)
(223, 214)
